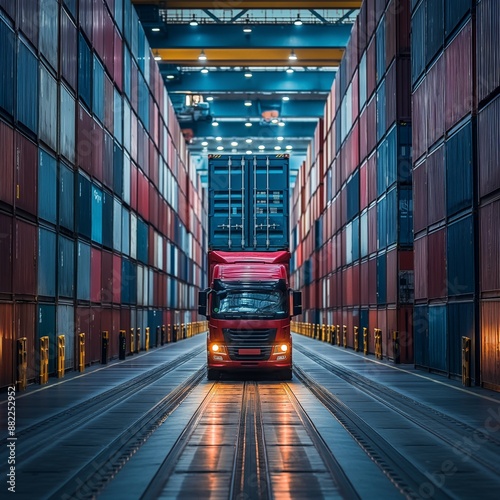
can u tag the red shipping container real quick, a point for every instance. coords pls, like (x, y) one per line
(85, 141)
(94, 336)
(118, 59)
(364, 284)
(436, 266)
(372, 281)
(355, 286)
(6, 163)
(133, 138)
(382, 325)
(107, 325)
(95, 275)
(97, 150)
(26, 174)
(98, 27)
(489, 249)
(435, 101)
(371, 53)
(363, 134)
(109, 103)
(459, 94)
(363, 186)
(372, 229)
(421, 265)
(25, 258)
(490, 333)
(106, 277)
(363, 35)
(69, 50)
(436, 186)
(392, 276)
(372, 324)
(7, 376)
(419, 120)
(154, 198)
(133, 185)
(108, 40)
(6, 256)
(371, 124)
(420, 197)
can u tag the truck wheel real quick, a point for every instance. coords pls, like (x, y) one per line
(213, 374)
(286, 374)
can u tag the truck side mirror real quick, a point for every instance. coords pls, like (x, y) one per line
(297, 303)
(202, 303)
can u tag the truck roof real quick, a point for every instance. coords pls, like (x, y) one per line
(250, 272)
(279, 257)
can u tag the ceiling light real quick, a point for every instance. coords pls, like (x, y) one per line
(157, 57)
(234, 144)
(292, 56)
(248, 123)
(210, 98)
(277, 148)
(279, 138)
(170, 77)
(193, 21)
(204, 70)
(285, 98)
(249, 152)
(204, 143)
(274, 120)
(247, 28)
(220, 148)
(289, 147)
(248, 103)
(218, 138)
(248, 73)
(202, 56)
(248, 141)
(281, 123)
(297, 21)
(155, 29)
(289, 70)
(261, 147)
(215, 123)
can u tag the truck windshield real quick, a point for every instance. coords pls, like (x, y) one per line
(247, 303)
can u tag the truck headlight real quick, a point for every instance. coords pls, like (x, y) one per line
(280, 348)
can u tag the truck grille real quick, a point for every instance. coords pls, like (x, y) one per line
(249, 339)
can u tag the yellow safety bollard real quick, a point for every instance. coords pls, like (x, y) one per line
(137, 340)
(378, 343)
(356, 339)
(169, 333)
(396, 347)
(466, 361)
(365, 340)
(61, 355)
(44, 360)
(163, 332)
(132, 341)
(344, 335)
(81, 352)
(122, 344)
(146, 339)
(104, 346)
(22, 364)
(338, 334)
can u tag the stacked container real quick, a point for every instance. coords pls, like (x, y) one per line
(354, 215)
(100, 211)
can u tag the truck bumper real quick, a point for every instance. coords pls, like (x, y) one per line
(240, 366)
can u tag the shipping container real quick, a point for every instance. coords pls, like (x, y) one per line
(6, 253)
(129, 282)
(27, 87)
(46, 327)
(7, 67)
(460, 257)
(97, 207)
(117, 225)
(68, 50)
(47, 186)
(84, 204)
(435, 105)
(83, 271)
(48, 108)
(67, 131)
(96, 275)
(85, 69)
(49, 31)
(6, 163)
(25, 258)
(66, 327)
(107, 277)
(489, 249)
(421, 265)
(460, 323)
(418, 41)
(490, 333)
(47, 258)
(66, 197)
(26, 174)
(437, 265)
(107, 219)
(66, 270)
(421, 335)
(117, 279)
(436, 184)
(25, 326)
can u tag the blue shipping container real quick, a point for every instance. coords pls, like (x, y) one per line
(66, 197)
(107, 219)
(66, 274)
(381, 223)
(7, 67)
(49, 30)
(96, 214)
(142, 241)
(381, 111)
(438, 338)
(382, 279)
(421, 335)
(418, 42)
(27, 87)
(380, 40)
(46, 327)
(48, 108)
(47, 186)
(129, 282)
(392, 216)
(435, 28)
(83, 270)
(118, 170)
(125, 231)
(46, 262)
(66, 327)
(405, 215)
(85, 64)
(84, 206)
(460, 257)
(353, 195)
(117, 225)
(67, 127)
(98, 90)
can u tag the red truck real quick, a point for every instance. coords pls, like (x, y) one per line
(249, 301)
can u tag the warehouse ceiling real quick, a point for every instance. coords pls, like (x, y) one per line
(248, 92)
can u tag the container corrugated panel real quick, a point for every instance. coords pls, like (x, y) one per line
(118, 116)
(97, 149)
(437, 265)
(83, 270)
(66, 197)
(435, 28)
(109, 39)
(118, 170)
(457, 10)
(421, 264)
(459, 91)
(109, 101)
(490, 319)
(7, 67)
(66, 269)
(47, 254)
(117, 279)
(107, 277)
(98, 27)
(392, 276)
(67, 132)
(382, 223)
(421, 335)
(6, 254)
(489, 248)
(380, 41)
(140, 290)
(438, 338)
(419, 120)
(117, 225)
(118, 59)
(460, 257)
(353, 196)
(371, 124)
(488, 41)
(25, 326)
(420, 197)
(49, 29)
(371, 69)
(382, 279)
(96, 274)
(459, 168)
(27, 87)
(125, 231)
(107, 219)
(405, 216)
(84, 140)
(25, 258)
(372, 229)
(7, 344)
(9, 7)
(48, 108)
(47, 186)
(28, 19)
(436, 183)
(84, 204)
(435, 101)
(6, 163)
(97, 203)
(98, 89)
(488, 132)
(418, 41)
(382, 167)
(85, 71)
(142, 241)
(26, 179)
(381, 111)
(372, 281)
(86, 16)
(133, 235)
(68, 50)
(66, 327)
(363, 234)
(392, 216)
(46, 327)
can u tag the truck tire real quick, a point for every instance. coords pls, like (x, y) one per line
(213, 374)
